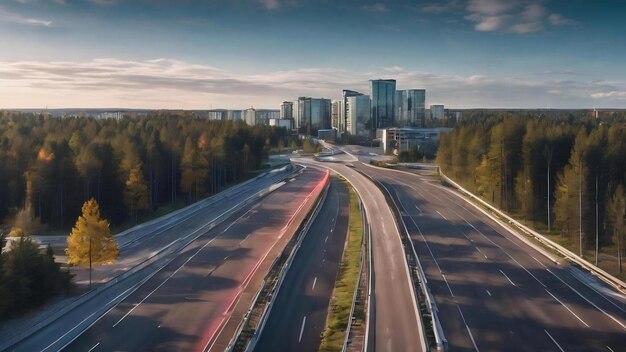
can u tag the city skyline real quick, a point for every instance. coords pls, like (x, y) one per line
(218, 54)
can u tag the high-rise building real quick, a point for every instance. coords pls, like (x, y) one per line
(401, 103)
(410, 107)
(358, 116)
(286, 110)
(416, 107)
(312, 114)
(346, 93)
(337, 116)
(437, 111)
(383, 93)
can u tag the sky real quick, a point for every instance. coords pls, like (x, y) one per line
(203, 54)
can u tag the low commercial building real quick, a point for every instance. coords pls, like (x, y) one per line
(286, 123)
(397, 140)
(328, 135)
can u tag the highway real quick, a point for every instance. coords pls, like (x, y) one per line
(300, 309)
(494, 291)
(394, 324)
(185, 305)
(53, 336)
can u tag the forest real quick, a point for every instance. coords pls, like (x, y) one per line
(51, 166)
(562, 173)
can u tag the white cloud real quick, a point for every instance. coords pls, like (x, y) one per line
(375, 7)
(166, 83)
(440, 6)
(393, 68)
(559, 20)
(6, 16)
(270, 4)
(514, 16)
(612, 94)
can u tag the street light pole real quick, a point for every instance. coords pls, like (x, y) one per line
(580, 204)
(597, 229)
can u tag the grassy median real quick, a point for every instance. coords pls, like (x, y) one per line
(347, 275)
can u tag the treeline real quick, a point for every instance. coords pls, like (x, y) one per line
(51, 166)
(28, 277)
(525, 164)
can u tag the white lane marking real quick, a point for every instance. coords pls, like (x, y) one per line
(449, 289)
(588, 301)
(226, 257)
(502, 249)
(481, 252)
(512, 283)
(610, 349)
(242, 241)
(133, 288)
(418, 209)
(163, 283)
(489, 293)
(314, 282)
(441, 215)
(566, 307)
(326, 239)
(468, 329)
(302, 328)
(553, 340)
(94, 347)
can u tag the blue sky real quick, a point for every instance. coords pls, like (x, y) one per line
(196, 54)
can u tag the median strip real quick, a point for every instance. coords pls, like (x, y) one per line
(341, 301)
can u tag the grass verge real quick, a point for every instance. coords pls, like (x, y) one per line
(341, 301)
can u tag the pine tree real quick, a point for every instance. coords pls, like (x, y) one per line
(136, 192)
(571, 204)
(91, 242)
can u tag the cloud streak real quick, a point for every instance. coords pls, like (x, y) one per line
(7, 16)
(166, 83)
(513, 16)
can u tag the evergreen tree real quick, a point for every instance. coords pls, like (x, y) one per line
(136, 192)
(571, 205)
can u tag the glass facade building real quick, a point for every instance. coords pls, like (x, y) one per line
(286, 110)
(437, 111)
(312, 114)
(415, 107)
(383, 108)
(358, 116)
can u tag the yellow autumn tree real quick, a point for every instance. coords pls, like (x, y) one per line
(91, 242)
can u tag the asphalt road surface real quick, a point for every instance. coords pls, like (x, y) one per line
(183, 306)
(494, 292)
(299, 314)
(394, 324)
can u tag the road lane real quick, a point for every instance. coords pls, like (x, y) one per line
(300, 309)
(185, 305)
(394, 324)
(495, 292)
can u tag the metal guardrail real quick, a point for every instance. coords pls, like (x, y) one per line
(154, 258)
(606, 277)
(364, 245)
(281, 276)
